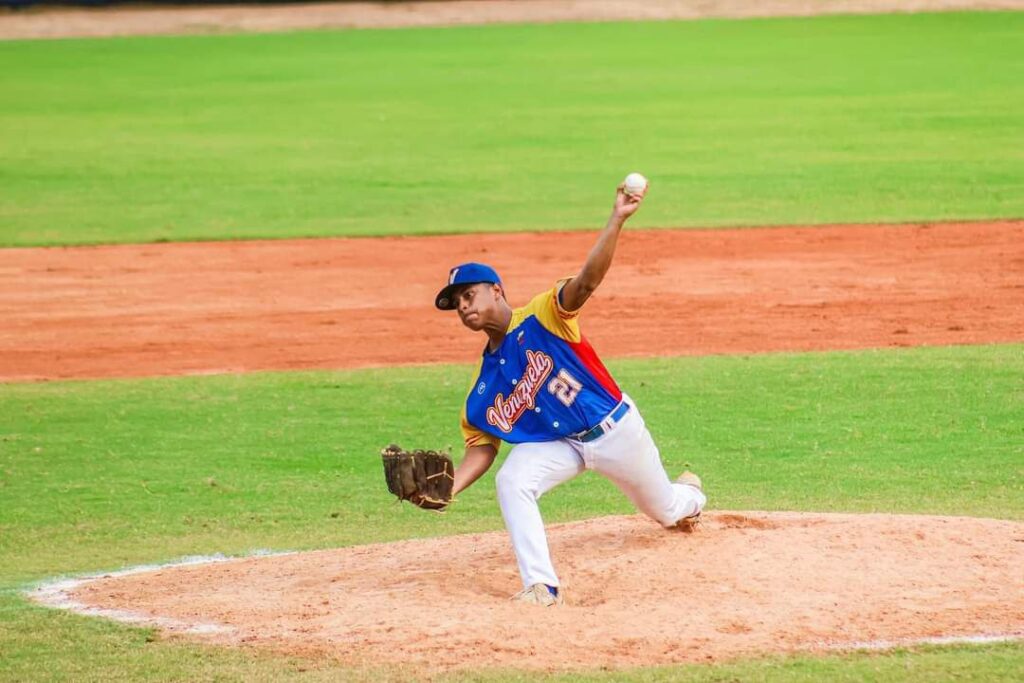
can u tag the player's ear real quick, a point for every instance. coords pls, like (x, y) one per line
(498, 291)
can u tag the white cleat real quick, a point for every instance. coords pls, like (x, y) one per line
(538, 594)
(690, 479)
(688, 524)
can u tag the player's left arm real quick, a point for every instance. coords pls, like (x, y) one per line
(577, 290)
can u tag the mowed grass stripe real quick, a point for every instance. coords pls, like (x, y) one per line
(807, 120)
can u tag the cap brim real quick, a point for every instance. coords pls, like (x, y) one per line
(445, 298)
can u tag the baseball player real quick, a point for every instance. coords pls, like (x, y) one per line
(541, 386)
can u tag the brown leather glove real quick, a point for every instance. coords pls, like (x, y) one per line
(424, 478)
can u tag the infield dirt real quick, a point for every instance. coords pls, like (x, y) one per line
(743, 584)
(122, 21)
(167, 309)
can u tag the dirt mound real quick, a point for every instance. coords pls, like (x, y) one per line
(744, 584)
(167, 309)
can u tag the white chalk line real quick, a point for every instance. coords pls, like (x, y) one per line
(983, 639)
(57, 594)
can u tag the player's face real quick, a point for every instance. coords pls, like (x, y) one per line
(477, 304)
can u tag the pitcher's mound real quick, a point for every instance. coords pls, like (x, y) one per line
(742, 584)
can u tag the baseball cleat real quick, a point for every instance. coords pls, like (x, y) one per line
(688, 524)
(538, 594)
(690, 479)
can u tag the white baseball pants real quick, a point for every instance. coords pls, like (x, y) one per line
(626, 455)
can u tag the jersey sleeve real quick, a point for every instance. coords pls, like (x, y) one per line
(471, 434)
(549, 312)
(476, 437)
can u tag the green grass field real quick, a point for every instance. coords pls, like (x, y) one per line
(99, 475)
(838, 119)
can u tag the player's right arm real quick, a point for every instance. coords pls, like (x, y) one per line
(478, 459)
(577, 290)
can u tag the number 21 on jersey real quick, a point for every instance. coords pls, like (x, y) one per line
(565, 387)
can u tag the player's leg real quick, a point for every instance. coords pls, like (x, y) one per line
(530, 470)
(629, 457)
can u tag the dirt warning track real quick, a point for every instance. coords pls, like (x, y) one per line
(167, 309)
(120, 21)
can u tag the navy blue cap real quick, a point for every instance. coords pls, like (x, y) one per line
(465, 274)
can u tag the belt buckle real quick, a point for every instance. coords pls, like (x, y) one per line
(583, 436)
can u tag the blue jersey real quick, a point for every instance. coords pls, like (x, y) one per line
(543, 383)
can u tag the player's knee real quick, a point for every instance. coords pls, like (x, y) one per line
(505, 480)
(509, 482)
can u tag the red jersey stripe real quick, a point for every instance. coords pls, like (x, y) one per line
(585, 352)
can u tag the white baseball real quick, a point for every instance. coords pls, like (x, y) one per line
(634, 184)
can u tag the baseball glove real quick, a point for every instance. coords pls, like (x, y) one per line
(424, 478)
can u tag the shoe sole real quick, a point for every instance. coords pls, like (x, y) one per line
(688, 524)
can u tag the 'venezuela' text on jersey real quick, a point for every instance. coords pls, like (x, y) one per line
(543, 383)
